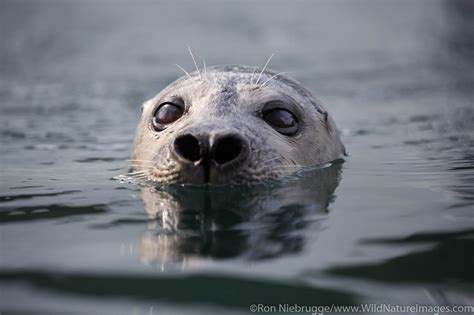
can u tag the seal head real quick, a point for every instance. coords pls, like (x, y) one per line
(229, 125)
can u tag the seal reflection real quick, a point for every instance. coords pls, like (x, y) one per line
(244, 222)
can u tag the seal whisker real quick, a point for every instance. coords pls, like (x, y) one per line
(289, 167)
(137, 175)
(135, 172)
(139, 164)
(135, 166)
(271, 78)
(264, 67)
(195, 64)
(273, 159)
(182, 69)
(140, 161)
(204, 66)
(292, 165)
(135, 160)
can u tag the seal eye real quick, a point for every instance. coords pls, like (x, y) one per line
(166, 114)
(282, 120)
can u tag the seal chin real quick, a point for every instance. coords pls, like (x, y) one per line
(212, 174)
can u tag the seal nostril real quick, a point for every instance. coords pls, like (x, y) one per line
(227, 149)
(188, 147)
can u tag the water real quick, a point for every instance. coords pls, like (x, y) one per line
(392, 224)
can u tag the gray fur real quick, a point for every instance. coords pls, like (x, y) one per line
(227, 100)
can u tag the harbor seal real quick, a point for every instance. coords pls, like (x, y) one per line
(232, 124)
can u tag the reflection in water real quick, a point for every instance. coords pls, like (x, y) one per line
(253, 222)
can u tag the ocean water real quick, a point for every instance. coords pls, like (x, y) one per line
(392, 224)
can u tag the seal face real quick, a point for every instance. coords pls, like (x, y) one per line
(231, 125)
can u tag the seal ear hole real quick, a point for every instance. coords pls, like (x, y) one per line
(326, 121)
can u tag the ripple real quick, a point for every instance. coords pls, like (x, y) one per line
(54, 211)
(423, 118)
(4, 198)
(120, 222)
(26, 187)
(11, 134)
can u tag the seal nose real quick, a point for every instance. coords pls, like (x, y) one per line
(225, 149)
(188, 148)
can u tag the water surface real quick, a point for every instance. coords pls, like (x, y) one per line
(392, 224)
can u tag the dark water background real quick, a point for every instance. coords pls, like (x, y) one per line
(393, 224)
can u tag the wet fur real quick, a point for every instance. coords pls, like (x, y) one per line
(228, 99)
